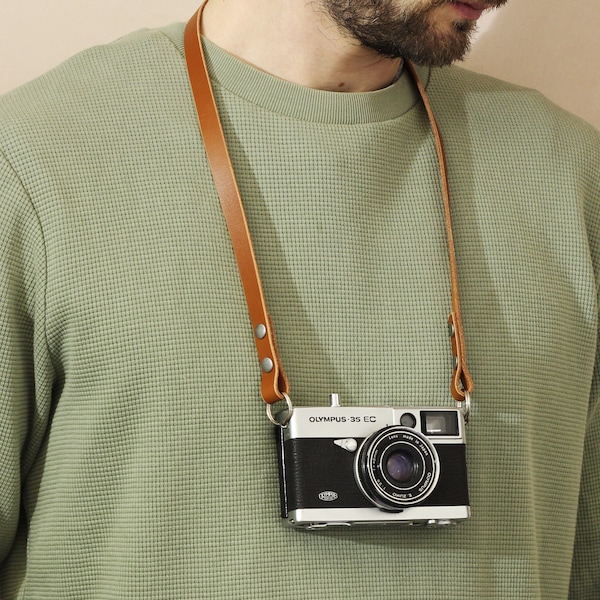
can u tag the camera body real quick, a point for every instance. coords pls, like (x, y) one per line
(373, 465)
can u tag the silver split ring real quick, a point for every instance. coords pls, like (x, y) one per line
(466, 406)
(286, 417)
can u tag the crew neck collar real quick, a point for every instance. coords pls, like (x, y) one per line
(303, 103)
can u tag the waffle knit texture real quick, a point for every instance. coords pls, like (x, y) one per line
(136, 460)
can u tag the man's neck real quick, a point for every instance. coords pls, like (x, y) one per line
(296, 41)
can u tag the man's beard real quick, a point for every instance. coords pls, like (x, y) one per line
(398, 31)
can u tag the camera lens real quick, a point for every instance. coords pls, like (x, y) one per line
(400, 466)
(396, 467)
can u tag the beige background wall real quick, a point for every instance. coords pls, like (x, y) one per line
(551, 45)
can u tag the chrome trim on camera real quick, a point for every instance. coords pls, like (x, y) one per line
(315, 518)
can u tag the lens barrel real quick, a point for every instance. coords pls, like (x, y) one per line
(396, 467)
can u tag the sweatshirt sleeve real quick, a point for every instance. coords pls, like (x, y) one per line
(26, 373)
(585, 573)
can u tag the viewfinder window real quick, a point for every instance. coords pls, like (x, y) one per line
(439, 422)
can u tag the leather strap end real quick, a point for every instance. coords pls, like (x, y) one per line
(274, 382)
(271, 386)
(462, 381)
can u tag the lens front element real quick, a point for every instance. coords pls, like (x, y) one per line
(400, 466)
(396, 467)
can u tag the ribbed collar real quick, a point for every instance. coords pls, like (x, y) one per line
(303, 103)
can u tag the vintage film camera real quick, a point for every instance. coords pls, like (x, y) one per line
(380, 466)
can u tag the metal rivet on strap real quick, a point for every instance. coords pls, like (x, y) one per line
(266, 365)
(451, 330)
(260, 332)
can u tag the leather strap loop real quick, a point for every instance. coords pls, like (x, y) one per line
(274, 384)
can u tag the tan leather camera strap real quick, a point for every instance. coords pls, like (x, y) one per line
(274, 384)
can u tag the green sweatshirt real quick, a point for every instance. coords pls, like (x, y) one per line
(136, 460)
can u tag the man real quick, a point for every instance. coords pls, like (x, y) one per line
(136, 460)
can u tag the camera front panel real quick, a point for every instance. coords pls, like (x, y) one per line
(318, 474)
